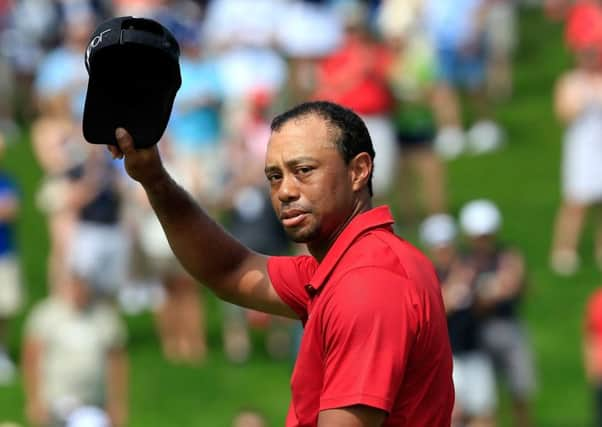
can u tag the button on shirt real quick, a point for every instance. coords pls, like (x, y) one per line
(375, 328)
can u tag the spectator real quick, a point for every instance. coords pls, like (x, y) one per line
(33, 26)
(592, 347)
(500, 42)
(241, 34)
(180, 317)
(578, 102)
(355, 76)
(232, 23)
(308, 31)
(458, 31)
(252, 221)
(56, 135)
(99, 246)
(412, 78)
(474, 378)
(499, 282)
(11, 291)
(195, 129)
(61, 78)
(74, 355)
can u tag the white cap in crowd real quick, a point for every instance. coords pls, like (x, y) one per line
(438, 230)
(480, 217)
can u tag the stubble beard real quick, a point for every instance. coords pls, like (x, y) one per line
(303, 235)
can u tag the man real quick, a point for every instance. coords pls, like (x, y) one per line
(375, 350)
(459, 31)
(499, 282)
(75, 358)
(473, 373)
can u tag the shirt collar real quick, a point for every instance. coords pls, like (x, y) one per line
(377, 217)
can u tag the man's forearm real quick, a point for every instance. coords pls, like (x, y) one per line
(203, 247)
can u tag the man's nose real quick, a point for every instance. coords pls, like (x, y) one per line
(289, 190)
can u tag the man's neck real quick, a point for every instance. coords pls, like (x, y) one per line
(319, 249)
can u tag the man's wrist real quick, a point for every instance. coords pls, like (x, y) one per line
(157, 182)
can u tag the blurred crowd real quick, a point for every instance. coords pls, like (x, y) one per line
(425, 75)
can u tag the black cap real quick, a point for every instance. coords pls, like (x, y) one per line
(134, 75)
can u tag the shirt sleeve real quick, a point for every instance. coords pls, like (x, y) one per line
(369, 330)
(289, 275)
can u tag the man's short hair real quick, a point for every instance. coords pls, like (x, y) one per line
(352, 134)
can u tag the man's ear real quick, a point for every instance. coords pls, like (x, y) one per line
(360, 170)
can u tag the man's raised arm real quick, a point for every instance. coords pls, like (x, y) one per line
(211, 255)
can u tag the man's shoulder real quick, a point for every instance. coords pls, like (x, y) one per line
(299, 262)
(381, 258)
(47, 307)
(384, 265)
(292, 270)
(45, 315)
(382, 249)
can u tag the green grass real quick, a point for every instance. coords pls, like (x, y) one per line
(523, 179)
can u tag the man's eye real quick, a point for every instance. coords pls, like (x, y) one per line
(304, 169)
(273, 177)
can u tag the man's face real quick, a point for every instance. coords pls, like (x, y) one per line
(483, 244)
(310, 184)
(443, 255)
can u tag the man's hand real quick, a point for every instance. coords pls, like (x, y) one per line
(142, 164)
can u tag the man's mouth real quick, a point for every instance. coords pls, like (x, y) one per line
(293, 217)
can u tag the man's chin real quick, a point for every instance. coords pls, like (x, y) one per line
(300, 236)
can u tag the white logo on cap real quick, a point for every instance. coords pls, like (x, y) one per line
(93, 43)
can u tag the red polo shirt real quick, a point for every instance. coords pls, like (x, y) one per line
(375, 328)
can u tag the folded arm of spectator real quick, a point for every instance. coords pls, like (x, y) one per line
(456, 289)
(507, 283)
